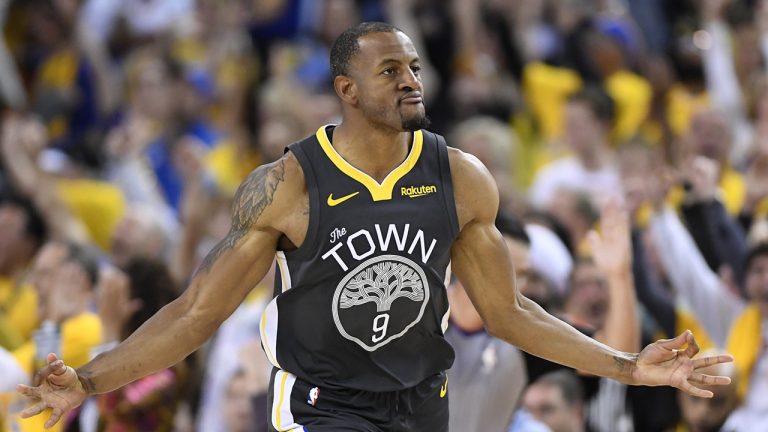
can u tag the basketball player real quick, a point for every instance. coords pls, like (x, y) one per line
(367, 219)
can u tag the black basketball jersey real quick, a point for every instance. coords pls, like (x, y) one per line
(362, 303)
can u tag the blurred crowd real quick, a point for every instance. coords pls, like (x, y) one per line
(628, 138)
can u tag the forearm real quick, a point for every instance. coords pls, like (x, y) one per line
(535, 331)
(649, 290)
(164, 340)
(621, 329)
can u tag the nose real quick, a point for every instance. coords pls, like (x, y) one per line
(410, 81)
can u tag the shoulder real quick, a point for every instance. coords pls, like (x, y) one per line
(269, 193)
(475, 190)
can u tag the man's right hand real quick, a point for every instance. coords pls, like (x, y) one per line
(59, 389)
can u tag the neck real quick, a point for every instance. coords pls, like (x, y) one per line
(374, 150)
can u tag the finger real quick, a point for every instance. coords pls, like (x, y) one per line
(693, 347)
(52, 357)
(34, 410)
(711, 360)
(54, 418)
(675, 343)
(695, 391)
(56, 367)
(33, 392)
(704, 379)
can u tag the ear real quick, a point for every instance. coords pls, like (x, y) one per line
(346, 89)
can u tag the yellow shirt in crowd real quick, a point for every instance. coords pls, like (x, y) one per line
(79, 336)
(18, 312)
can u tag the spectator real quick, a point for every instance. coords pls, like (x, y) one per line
(557, 400)
(589, 117)
(22, 232)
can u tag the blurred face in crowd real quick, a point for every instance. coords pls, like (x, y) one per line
(529, 284)
(15, 245)
(708, 415)
(386, 83)
(710, 136)
(584, 132)
(50, 269)
(152, 89)
(136, 234)
(238, 410)
(462, 305)
(588, 296)
(46, 264)
(757, 282)
(547, 404)
(338, 15)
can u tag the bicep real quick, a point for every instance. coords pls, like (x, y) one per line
(240, 260)
(481, 261)
(228, 274)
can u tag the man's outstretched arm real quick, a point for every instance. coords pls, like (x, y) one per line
(231, 269)
(480, 259)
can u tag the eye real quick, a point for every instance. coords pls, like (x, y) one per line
(416, 69)
(388, 71)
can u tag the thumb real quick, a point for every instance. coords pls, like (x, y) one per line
(678, 342)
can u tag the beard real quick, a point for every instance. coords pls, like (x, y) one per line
(414, 123)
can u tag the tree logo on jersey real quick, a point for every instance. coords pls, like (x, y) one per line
(380, 300)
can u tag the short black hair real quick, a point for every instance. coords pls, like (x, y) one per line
(599, 101)
(512, 227)
(755, 252)
(346, 45)
(87, 257)
(568, 383)
(36, 227)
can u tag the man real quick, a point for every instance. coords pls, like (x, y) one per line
(488, 375)
(557, 400)
(356, 330)
(22, 232)
(709, 415)
(589, 118)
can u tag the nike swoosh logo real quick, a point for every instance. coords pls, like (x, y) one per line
(334, 202)
(444, 388)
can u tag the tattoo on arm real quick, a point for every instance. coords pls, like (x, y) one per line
(254, 195)
(624, 364)
(85, 380)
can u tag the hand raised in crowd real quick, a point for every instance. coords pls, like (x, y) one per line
(114, 304)
(701, 179)
(611, 247)
(69, 295)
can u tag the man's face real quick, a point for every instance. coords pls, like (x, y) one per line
(386, 72)
(588, 297)
(13, 222)
(757, 282)
(708, 415)
(519, 252)
(546, 403)
(583, 130)
(237, 405)
(709, 136)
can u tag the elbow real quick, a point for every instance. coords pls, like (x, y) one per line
(501, 323)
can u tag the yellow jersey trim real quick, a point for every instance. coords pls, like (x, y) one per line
(280, 401)
(379, 191)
